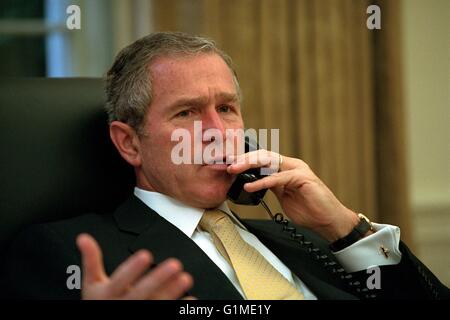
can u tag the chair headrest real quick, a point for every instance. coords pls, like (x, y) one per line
(57, 158)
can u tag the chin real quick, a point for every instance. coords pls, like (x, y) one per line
(211, 197)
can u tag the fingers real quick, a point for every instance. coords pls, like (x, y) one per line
(91, 257)
(294, 172)
(129, 271)
(166, 281)
(272, 181)
(175, 288)
(279, 181)
(254, 159)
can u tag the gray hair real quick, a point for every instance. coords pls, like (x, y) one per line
(128, 82)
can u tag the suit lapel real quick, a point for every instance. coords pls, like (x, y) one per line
(164, 240)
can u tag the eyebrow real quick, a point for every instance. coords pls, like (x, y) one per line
(222, 96)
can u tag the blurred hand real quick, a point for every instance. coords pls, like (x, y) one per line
(129, 280)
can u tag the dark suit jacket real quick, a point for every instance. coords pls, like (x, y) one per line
(36, 265)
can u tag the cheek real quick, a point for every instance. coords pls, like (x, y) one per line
(158, 156)
(156, 153)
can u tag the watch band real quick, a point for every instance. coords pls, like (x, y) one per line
(356, 234)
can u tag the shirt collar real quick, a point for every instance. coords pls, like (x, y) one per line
(182, 216)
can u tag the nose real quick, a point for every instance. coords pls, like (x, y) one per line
(212, 120)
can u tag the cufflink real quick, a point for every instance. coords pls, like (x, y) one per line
(385, 251)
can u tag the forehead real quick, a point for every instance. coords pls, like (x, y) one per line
(174, 76)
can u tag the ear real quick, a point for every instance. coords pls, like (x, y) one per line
(126, 141)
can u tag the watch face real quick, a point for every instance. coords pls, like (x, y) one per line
(361, 216)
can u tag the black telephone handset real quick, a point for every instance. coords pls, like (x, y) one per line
(236, 193)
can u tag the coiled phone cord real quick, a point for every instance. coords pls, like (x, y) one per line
(336, 269)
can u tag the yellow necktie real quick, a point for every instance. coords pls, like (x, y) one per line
(258, 278)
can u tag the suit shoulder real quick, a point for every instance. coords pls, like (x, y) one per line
(63, 231)
(83, 223)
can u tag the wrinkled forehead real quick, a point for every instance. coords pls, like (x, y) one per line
(170, 63)
(190, 75)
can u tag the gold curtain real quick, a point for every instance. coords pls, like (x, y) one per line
(312, 69)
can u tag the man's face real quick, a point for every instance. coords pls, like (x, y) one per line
(187, 89)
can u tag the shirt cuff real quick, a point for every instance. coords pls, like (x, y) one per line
(379, 249)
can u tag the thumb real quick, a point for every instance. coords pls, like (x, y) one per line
(91, 257)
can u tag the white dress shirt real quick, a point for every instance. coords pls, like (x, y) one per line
(359, 256)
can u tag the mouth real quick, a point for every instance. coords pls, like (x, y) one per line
(217, 163)
(218, 167)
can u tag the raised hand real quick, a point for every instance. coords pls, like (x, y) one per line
(130, 280)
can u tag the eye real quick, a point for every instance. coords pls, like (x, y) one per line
(183, 114)
(224, 109)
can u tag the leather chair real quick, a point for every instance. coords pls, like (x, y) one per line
(57, 159)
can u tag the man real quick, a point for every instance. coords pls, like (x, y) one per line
(177, 219)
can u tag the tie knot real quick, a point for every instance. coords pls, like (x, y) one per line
(211, 218)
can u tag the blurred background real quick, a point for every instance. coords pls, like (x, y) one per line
(367, 109)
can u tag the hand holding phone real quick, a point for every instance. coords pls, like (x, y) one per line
(236, 193)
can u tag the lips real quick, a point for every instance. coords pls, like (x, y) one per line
(217, 163)
(219, 167)
(216, 160)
